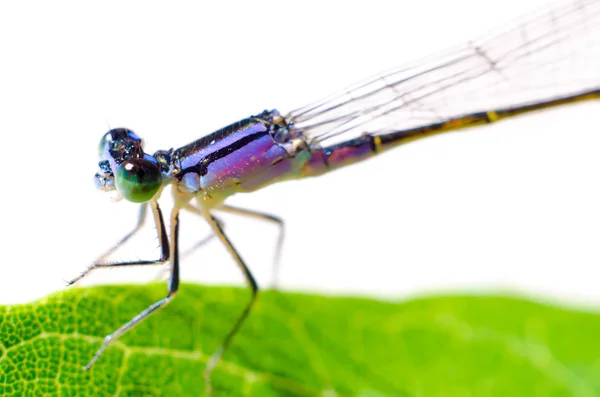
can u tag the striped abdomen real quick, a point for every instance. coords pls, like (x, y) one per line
(349, 152)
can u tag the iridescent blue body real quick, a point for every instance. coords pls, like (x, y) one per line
(264, 149)
(242, 157)
(267, 148)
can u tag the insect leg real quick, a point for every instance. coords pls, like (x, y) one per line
(204, 240)
(212, 362)
(173, 286)
(162, 236)
(270, 218)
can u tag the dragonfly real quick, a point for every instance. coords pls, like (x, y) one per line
(545, 60)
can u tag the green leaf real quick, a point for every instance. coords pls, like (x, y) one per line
(297, 345)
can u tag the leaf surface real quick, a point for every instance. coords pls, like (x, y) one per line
(297, 345)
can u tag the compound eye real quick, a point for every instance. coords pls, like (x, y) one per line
(138, 180)
(123, 135)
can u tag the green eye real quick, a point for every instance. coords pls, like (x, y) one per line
(138, 180)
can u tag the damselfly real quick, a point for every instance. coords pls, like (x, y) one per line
(540, 62)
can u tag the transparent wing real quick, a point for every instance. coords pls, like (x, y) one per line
(552, 54)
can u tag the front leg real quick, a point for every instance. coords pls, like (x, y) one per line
(162, 237)
(173, 286)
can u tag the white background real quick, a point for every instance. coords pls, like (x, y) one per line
(513, 206)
